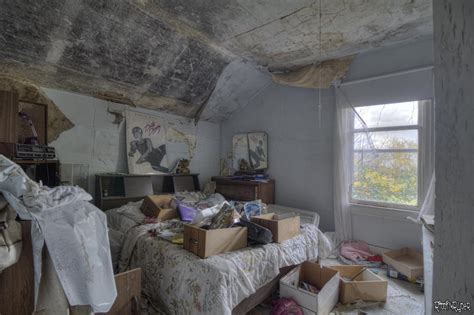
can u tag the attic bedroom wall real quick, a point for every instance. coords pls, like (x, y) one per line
(301, 154)
(299, 150)
(378, 226)
(95, 140)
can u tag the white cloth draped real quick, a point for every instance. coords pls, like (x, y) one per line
(74, 230)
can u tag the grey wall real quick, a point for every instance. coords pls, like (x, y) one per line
(378, 226)
(300, 151)
(454, 214)
(99, 143)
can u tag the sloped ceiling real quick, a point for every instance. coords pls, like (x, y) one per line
(169, 54)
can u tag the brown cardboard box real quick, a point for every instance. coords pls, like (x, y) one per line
(407, 261)
(158, 206)
(282, 230)
(323, 278)
(367, 286)
(205, 243)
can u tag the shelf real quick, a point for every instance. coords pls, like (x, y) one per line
(34, 162)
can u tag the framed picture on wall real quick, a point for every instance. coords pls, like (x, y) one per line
(146, 144)
(258, 150)
(240, 149)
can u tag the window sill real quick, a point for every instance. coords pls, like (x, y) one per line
(383, 212)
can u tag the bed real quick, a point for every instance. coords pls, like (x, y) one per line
(176, 281)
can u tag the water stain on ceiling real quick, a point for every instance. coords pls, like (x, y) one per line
(169, 55)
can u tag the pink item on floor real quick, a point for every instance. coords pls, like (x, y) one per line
(355, 250)
(285, 306)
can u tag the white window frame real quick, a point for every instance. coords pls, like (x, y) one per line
(424, 132)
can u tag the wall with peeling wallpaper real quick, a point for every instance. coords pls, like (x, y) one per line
(95, 140)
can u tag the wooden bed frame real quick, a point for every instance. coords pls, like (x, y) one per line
(261, 294)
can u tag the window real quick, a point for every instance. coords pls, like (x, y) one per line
(386, 150)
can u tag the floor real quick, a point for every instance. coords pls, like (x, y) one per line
(402, 298)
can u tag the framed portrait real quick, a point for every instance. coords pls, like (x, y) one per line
(146, 144)
(240, 149)
(258, 150)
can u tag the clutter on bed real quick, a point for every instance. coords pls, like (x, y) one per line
(282, 226)
(256, 234)
(314, 287)
(159, 207)
(205, 243)
(360, 283)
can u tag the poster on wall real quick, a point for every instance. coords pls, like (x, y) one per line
(146, 144)
(258, 150)
(240, 149)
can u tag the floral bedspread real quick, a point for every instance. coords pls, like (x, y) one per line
(180, 282)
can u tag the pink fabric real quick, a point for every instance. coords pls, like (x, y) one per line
(285, 306)
(355, 250)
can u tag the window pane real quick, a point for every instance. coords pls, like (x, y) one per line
(387, 115)
(387, 177)
(379, 140)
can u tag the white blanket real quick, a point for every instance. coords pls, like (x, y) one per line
(74, 230)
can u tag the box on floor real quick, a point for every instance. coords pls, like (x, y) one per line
(282, 230)
(363, 284)
(324, 278)
(406, 261)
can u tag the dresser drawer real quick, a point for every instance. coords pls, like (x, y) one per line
(238, 192)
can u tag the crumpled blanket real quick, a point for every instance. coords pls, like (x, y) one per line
(74, 230)
(355, 250)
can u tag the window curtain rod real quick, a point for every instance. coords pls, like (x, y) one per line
(388, 75)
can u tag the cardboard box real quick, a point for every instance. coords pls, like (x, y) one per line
(407, 261)
(158, 206)
(205, 243)
(325, 279)
(282, 230)
(366, 286)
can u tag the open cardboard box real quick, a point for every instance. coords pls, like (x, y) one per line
(157, 206)
(282, 230)
(325, 279)
(407, 261)
(205, 243)
(366, 286)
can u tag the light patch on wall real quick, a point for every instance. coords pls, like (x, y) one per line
(30, 93)
(190, 140)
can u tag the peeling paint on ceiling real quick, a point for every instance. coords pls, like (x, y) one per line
(170, 54)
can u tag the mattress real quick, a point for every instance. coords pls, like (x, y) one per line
(179, 282)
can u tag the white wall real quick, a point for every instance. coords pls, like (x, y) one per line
(300, 151)
(381, 227)
(96, 141)
(453, 279)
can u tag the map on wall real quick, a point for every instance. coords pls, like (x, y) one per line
(146, 144)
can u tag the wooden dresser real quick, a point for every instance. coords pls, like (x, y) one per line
(245, 190)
